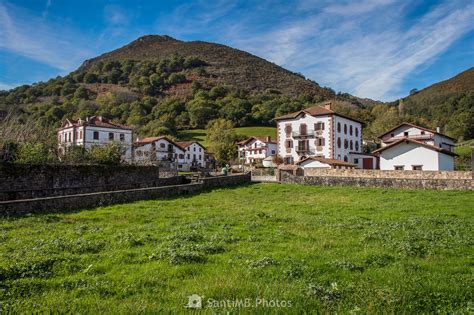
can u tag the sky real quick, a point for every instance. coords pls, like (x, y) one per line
(380, 49)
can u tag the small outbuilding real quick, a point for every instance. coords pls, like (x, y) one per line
(321, 162)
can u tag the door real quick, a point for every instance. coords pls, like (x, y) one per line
(367, 163)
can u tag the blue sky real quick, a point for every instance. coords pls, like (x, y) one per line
(370, 48)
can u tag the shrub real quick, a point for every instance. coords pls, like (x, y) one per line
(110, 154)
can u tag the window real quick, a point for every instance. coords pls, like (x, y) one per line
(200, 150)
(399, 167)
(338, 127)
(122, 137)
(346, 143)
(194, 149)
(356, 161)
(259, 151)
(303, 129)
(339, 142)
(319, 126)
(181, 156)
(69, 136)
(350, 145)
(345, 158)
(417, 167)
(405, 133)
(350, 130)
(345, 129)
(273, 151)
(189, 156)
(320, 142)
(96, 135)
(392, 135)
(59, 137)
(357, 145)
(111, 136)
(288, 144)
(288, 130)
(357, 132)
(162, 145)
(80, 134)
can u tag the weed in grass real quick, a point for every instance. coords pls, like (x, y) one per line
(346, 265)
(262, 263)
(379, 260)
(325, 293)
(132, 240)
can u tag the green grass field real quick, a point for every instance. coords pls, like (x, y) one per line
(307, 248)
(200, 134)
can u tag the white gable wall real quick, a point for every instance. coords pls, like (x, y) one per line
(407, 155)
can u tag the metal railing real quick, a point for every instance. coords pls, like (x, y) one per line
(307, 134)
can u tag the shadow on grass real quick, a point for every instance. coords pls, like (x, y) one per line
(187, 195)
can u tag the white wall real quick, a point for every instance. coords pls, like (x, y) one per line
(340, 153)
(409, 154)
(314, 164)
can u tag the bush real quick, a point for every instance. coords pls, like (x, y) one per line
(33, 153)
(110, 154)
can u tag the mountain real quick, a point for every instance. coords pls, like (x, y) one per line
(225, 65)
(161, 85)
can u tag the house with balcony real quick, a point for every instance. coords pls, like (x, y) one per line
(318, 131)
(256, 149)
(151, 149)
(94, 131)
(194, 155)
(411, 147)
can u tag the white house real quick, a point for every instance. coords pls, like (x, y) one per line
(94, 131)
(411, 147)
(318, 131)
(157, 149)
(256, 149)
(194, 153)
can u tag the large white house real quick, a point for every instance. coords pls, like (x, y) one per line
(411, 147)
(94, 131)
(256, 149)
(318, 131)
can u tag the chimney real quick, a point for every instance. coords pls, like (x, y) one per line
(327, 105)
(269, 138)
(438, 129)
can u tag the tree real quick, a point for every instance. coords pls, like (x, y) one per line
(90, 78)
(222, 139)
(413, 91)
(200, 112)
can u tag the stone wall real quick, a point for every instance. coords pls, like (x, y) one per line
(388, 174)
(408, 183)
(36, 181)
(90, 200)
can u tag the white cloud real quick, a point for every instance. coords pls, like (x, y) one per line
(367, 49)
(31, 37)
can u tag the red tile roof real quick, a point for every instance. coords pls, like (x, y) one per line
(414, 126)
(317, 110)
(261, 138)
(408, 140)
(185, 144)
(97, 121)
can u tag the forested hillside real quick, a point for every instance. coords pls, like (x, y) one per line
(160, 85)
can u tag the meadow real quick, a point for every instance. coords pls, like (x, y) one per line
(285, 248)
(200, 134)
